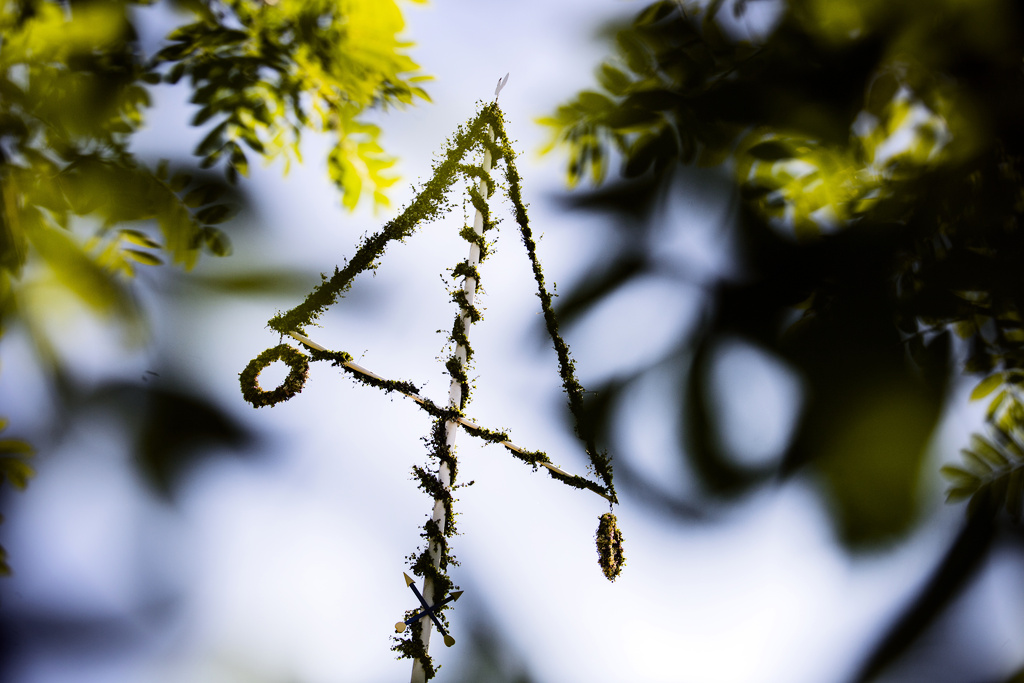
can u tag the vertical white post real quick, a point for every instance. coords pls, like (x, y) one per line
(451, 427)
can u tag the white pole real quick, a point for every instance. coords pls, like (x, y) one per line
(451, 427)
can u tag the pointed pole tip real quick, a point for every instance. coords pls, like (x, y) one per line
(501, 84)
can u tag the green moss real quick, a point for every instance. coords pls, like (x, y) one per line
(459, 336)
(465, 269)
(487, 434)
(472, 236)
(410, 647)
(293, 383)
(479, 173)
(459, 296)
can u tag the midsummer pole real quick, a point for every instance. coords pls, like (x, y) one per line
(433, 559)
(451, 427)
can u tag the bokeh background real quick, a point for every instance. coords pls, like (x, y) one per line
(277, 553)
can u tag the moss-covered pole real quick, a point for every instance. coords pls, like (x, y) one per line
(455, 402)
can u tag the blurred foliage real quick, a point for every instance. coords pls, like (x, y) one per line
(172, 428)
(489, 657)
(264, 71)
(80, 214)
(873, 151)
(15, 470)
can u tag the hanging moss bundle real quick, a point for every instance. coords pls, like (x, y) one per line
(609, 547)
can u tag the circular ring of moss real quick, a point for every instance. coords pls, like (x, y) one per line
(293, 383)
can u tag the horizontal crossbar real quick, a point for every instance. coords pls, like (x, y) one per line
(354, 367)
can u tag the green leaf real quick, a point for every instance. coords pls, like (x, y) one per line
(994, 477)
(635, 53)
(958, 475)
(179, 182)
(976, 463)
(143, 257)
(16, 446)
(79, 273)
(957, 494)
(987, 386)
(16, 471)
(213, 142)
(654, 13)
(990, 453)
(216, 241)
(593, 102)
(203, 115)
(139, 238)
(238, 160)
(212, 215)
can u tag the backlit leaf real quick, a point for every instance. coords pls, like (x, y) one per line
(143, 257)
(987, 386)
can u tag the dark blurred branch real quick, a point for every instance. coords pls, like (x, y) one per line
(965, 556)
(1018, 677)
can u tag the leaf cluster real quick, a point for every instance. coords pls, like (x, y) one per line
(264, 72)
(992, 475)
(667, 71)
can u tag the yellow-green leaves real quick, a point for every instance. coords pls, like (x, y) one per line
(798, 182)
(53, 34)
(663, 65)
(67, 77)
(992, 475)
(77, 271)
(987, 386)
(298, 64)
(913, 120)
(119, 250)
(14, 454)
(15, 470)
(678, 91)
(73, 88)
(909, 126)
(358, 161)
(582, 127)
(1005, 410)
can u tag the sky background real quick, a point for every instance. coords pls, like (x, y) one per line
(287, 566)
